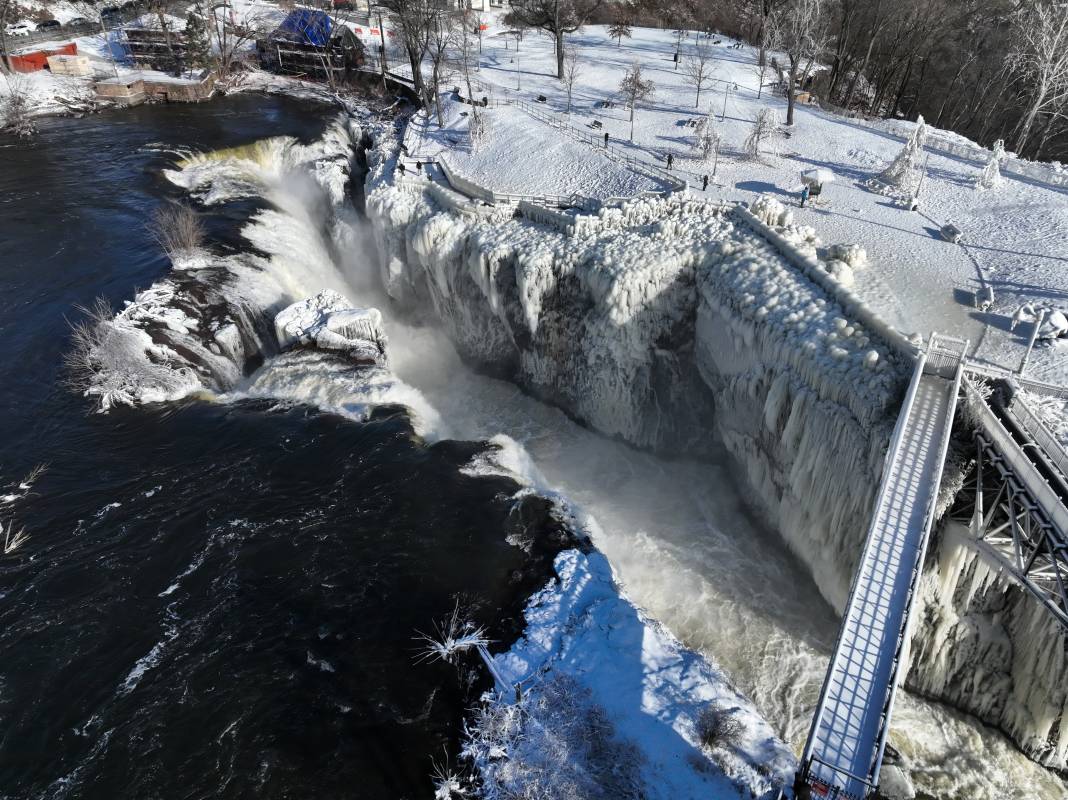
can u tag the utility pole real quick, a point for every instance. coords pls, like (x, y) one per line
(726, 91)
(1031, 342)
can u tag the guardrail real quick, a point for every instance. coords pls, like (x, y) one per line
(850, 303)
(1032, 170)
(1042, 435)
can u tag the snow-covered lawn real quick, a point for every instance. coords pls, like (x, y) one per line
(1014, 235)
(523, 155)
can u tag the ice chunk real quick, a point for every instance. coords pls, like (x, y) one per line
(328, 321)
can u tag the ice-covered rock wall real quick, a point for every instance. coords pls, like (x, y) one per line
(210, 320)
(669, 324)
(982, 643)
(672, 325)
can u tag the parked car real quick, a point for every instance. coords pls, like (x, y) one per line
(49, 25)
(78, 22)
(18, 29)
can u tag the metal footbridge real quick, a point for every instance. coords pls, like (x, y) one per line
(1014, 503)
(844, 751)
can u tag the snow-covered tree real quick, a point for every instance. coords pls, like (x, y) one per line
(707, 139)
(990, 177)
(764, 126)
(197, 46)
(15, 105)
(903, 172)
(620, 31)
(699, 69)
(635, 89)
(1039, 57)
(572, 66)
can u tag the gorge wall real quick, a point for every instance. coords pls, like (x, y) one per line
(672, 326)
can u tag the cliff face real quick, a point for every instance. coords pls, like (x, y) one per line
(982, 643)
(669, 324)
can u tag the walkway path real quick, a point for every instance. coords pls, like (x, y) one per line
(849, 730)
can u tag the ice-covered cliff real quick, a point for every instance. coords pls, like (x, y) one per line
(983, 644)
(671, 325)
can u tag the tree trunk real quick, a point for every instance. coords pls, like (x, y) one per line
(559, 54)
(1029, 118)
(901, 89)
(791, 92)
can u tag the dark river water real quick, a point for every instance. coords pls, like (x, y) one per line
(214, 600)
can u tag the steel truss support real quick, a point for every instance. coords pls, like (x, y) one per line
(1008, 525)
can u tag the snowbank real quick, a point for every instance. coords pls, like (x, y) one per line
(598, 659)
(610, 704)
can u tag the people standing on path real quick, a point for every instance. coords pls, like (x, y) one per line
(704, 183)
(804, 195)
(671, 159)
(606, 140)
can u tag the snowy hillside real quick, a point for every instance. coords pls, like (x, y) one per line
(1013, 234)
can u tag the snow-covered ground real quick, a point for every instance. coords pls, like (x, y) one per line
(1013, 235)
(522, 155)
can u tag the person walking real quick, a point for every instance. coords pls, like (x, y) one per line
(804, 195)
(671, 160)
(704, 183)
(606, 140)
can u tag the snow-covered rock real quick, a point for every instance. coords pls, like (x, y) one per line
(329, 322)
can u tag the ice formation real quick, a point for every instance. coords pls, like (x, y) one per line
(201, 325)
(983, 644)
(668, 324)
(329, 322)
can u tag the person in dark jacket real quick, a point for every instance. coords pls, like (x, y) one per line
(804, 195)
(704, 184)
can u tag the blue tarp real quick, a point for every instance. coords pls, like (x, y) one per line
(306, 25)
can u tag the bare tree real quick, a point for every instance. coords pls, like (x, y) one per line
(699, 70)
(1039, 56)
(467, 59)
(415, 19)
(7, 11)
(571, 72)
(556, 17)
(620, 31)
(764, 126)
(439, 46)
(799, 32)
(230, 33)
(635, 89)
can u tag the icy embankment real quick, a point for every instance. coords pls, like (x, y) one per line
(610, 704)
(669, 325)
(982, 643)
(200, 327)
